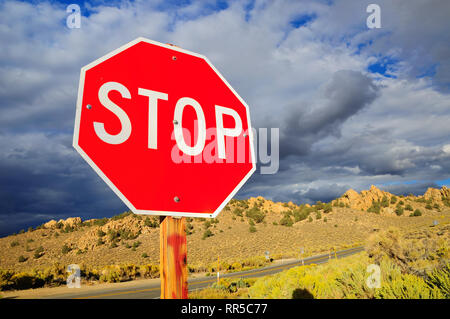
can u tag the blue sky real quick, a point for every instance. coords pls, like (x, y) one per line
(355, 106)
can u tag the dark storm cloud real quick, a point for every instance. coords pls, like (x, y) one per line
(323, 194)
(410, 188)
(41, 178)
(345, 95)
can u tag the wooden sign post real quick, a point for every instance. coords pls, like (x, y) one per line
(173, 258)
(151, 85)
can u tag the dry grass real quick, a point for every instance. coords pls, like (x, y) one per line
(134, 240)
(414, 265)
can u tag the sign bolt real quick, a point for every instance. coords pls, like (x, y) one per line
(89, 106)
(176, 199)
(174, 57)
(175, 122)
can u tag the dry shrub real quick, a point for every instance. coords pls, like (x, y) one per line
(417, 254)
(226, 289)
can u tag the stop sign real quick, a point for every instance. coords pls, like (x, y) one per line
(163, 128)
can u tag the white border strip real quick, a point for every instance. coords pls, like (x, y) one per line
(108, 181)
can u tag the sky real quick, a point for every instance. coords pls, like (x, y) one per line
(355, 106)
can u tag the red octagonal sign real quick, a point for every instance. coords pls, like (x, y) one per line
(163, 128)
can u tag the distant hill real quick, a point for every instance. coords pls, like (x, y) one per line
(367, 198)
(243, 231)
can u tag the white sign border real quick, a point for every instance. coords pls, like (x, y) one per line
(108, 181)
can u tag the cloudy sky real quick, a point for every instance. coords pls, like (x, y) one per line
(355, 106)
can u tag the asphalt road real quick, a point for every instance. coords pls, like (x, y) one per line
(144, 290)
(141, 289)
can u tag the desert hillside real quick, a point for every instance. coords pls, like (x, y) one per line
(245, 229)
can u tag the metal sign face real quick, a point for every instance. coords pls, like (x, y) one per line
(163, 128)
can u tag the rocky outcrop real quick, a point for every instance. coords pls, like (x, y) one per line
(50, 224)
(363, 200)
(437, 194)
(71, 221)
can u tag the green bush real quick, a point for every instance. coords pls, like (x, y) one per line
(121, 216)
(65, 249)
(14, 243)
(238, 212)
(286, 221)
(38, 252)
(327, 208)
(301, 213)
(22, 259)
(23, 281)
(346, 278)
(409, 207)
(399, 211)
(440, 278)
(151, 222)
(189, 228)
(417, 212)
(207, 224)
(207, 233)
(252, 229)
(100, 222)
(136, 244)
(68, 229)
(407, 286)
(256, 214)
(384, 202)
(446, 201)
(375, 208)
(393, 200)
(319, 205)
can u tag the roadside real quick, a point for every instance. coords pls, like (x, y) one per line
(150, 287)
